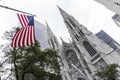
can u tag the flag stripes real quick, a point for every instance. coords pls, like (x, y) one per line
(26, 35)
(23, 20)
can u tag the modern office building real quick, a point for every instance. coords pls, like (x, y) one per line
(107, 39)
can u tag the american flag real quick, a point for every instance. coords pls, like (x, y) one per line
(26, 35)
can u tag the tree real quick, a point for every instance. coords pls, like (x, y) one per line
(109, 73)
(31, 61)
(41, 64)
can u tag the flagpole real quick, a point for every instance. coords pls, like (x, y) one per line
(6, 7)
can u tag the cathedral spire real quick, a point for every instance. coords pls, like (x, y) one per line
(77, 31)
(49, 31)
(64, 14)
(52, 40)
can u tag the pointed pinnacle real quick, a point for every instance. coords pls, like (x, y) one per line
(58, 6)
(61, 11)
(46, 23)
(62, 40)
(64, 14)
(49, 29)
(47, 26)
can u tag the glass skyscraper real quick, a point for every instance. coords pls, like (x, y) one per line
(107, 39)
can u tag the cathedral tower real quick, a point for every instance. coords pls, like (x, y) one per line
(54, 44)
(92, 53)
(52, 40)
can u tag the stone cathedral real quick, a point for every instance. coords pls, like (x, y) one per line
(85, 54)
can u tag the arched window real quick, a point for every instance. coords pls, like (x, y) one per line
(71, 56)
(89, 48)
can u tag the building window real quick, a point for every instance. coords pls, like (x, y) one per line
(89, 48)
(77, 37)
(81, 33)
(53, 45)
(118, 4)
(69, 25)
(71, 57)
(72, 22)
(101, 64)
(56, 42)
(76, 47)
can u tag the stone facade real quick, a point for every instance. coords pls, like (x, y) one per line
(85, 54)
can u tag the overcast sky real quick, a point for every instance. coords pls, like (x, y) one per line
(89, 13)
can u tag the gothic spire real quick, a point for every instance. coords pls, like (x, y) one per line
(64, 14)
(49, 31)
(52, 40)
(75, 29)
(65, 45)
